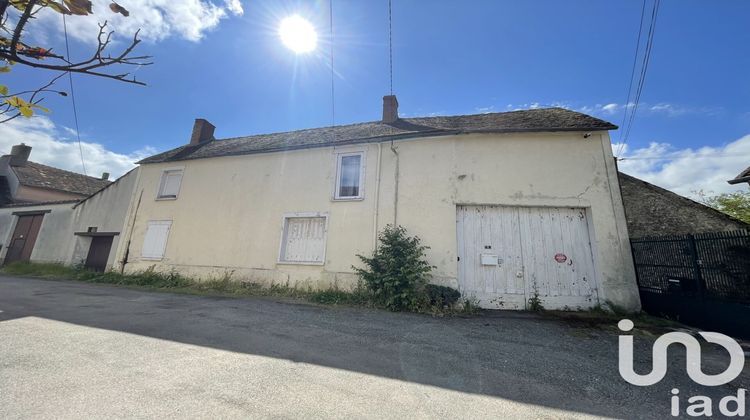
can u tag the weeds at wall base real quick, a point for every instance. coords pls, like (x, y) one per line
(223, 286)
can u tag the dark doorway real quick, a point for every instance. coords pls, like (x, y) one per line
(24, 237)
(98, 253)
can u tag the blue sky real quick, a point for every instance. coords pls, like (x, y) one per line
(449, 58)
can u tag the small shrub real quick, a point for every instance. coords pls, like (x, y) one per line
(441, 295)
(470, 306)
(535, 302)
(398, 271)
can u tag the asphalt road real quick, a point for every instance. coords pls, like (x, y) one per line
(73, 350)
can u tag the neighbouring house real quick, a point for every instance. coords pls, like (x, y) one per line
(85, 230)
(743, 176)
(652, 211)
(24, 181)
(514, 206)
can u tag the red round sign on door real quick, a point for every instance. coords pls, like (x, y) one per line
(561, 258)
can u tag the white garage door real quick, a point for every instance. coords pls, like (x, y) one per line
(509, 255)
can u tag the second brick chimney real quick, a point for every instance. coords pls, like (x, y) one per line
(390, 109)
(203, 131)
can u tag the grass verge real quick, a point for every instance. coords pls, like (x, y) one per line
(224, 286)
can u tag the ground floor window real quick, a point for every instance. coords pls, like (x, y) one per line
(155, 240)
(303, 239)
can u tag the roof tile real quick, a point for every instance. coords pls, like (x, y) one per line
(34, 174)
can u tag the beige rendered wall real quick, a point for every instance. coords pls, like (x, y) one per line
(54, 241)
(228, 216)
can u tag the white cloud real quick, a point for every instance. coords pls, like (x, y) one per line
(610, 108)
(51, 146)
(687, 170)
(157, 19)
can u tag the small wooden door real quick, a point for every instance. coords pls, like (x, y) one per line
(24, 237)
(98, 253)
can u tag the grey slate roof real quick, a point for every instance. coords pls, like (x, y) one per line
(743, 176)
(34, 174)
(533, 120)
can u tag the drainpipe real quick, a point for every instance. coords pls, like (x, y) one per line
(395, 188)
(377, 200)
(130, 233)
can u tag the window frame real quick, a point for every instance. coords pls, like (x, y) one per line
(169, 223)
(162, 183)
(337, 181)
(282, 241)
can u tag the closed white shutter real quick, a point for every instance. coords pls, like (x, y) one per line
(170, 184)
(304, 240)
(155, 240)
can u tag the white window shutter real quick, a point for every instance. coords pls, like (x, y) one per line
(170, 184)
(155, 241)
(304, 239)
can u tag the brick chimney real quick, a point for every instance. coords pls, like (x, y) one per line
(203, 131)
(105, 176)
(390, 109)
(19, 155)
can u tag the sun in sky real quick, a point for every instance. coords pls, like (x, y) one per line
(298, 34)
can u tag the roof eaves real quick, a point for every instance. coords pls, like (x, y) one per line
(739, 180)
(41, 203)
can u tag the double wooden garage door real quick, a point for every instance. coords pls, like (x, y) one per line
(508, 256)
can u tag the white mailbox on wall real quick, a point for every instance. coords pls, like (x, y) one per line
(489, 259)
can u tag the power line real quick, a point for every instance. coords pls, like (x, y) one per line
(632, 73)
(73, 97)
(333, 98)
(390, 45)
(644, 70)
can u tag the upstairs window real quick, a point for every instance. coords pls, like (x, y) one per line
(349, 176)
(170, 184)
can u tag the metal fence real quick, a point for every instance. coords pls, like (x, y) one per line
(701, 279)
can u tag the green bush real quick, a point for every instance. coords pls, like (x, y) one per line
(398, 271)
(442, 295)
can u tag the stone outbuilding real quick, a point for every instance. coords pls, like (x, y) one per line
(653, 211)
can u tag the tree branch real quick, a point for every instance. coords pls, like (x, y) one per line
(89, 66)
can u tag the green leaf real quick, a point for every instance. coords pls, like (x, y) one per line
(5, 69)
(3, 90)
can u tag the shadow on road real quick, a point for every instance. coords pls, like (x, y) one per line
(515, 356)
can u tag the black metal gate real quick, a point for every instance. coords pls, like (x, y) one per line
(701, 280)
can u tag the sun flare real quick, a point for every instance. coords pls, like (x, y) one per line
(298, 34)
